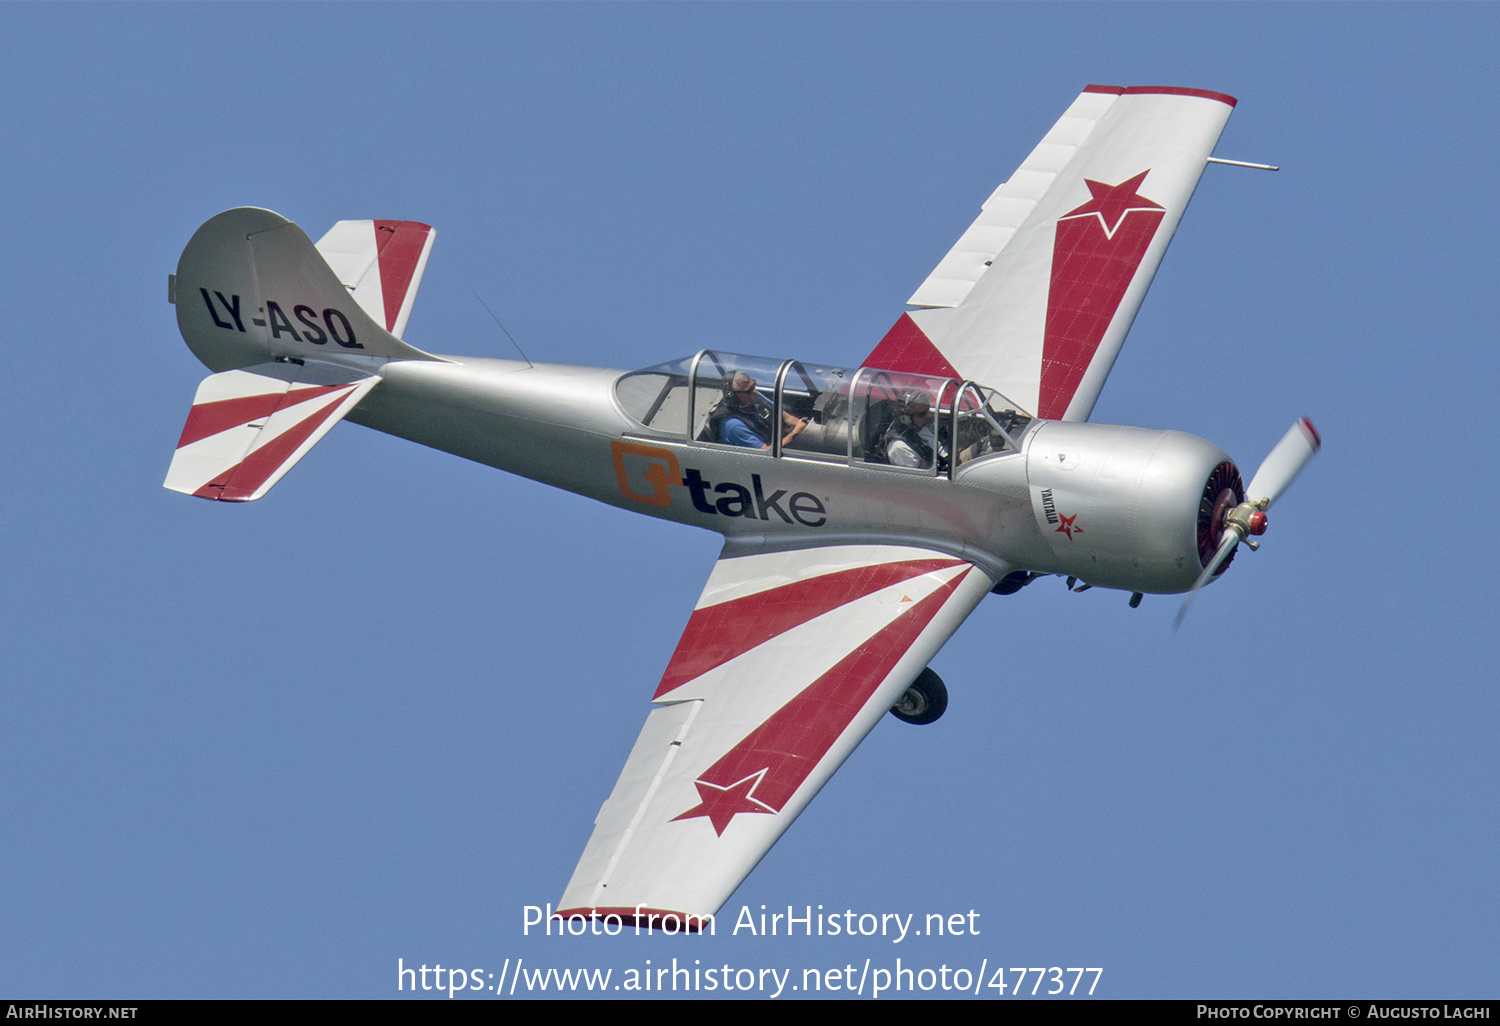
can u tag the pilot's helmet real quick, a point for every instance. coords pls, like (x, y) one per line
(913, 404)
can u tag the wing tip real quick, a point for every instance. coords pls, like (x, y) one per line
(642, 917)
(1205, 94)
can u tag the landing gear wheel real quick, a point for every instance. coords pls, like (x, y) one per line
(924, 701)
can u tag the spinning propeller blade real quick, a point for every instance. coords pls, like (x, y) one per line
(1227, 542)
(1281, 467)
(1275, 474)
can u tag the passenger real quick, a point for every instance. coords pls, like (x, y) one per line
(911, 439)
(743, 417)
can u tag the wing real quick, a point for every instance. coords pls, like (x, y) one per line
(788, 661)
(1036, 297)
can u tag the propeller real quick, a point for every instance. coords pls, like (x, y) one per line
(1276, 473)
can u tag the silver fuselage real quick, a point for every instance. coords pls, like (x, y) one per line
(1113, 506)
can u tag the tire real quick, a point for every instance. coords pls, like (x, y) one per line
(924, 702)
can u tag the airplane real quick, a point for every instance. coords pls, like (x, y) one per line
(865, 510)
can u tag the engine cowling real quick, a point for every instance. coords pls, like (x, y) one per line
(1129, 508)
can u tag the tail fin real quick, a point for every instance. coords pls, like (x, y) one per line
(251, 288)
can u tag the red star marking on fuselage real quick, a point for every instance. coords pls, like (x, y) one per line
(722, 804)
(1068, 527)
(1111, 202)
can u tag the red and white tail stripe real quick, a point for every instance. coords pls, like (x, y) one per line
(381, 264)
(249, 427)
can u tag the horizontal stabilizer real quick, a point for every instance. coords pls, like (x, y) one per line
(249, 427)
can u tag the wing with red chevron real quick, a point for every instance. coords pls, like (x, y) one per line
(1036, 297)
(788, 661)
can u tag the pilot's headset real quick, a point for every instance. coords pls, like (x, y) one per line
(730, 395)
(913, 403)
(732, 398)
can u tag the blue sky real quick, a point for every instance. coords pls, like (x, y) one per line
(267, 750)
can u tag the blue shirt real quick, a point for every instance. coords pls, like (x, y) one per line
(737, 432)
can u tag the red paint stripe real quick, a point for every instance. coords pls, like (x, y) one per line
(399, 244)
(785, 749)
(628, 916)
(1090, 275)
(207, 419)
(1091, 271)
(1116, 90)
(716, 634)
(907, 348)
(239, 482)
(1178, 91)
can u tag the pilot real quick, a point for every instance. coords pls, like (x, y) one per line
(743, 417)
(911, 439)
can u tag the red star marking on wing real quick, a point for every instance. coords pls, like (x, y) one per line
(1111, 202)
(1068, 527)
(722, 804)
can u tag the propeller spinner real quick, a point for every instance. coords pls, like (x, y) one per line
(1276, 473)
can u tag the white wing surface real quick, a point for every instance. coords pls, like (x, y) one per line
(1036, 297)
(788, 661)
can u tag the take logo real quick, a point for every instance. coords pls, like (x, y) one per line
(661, 472)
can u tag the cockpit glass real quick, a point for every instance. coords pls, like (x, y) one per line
(986, 423)
(899, 419)
(816, 399)
(657, 396)
(815, 411)
(734, 398)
